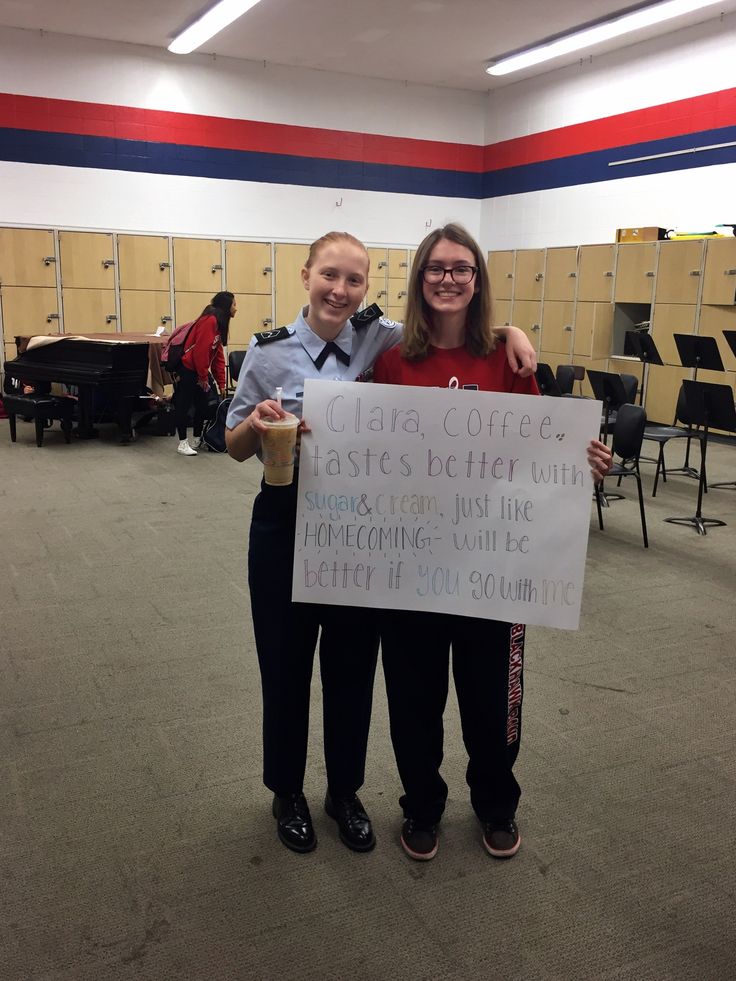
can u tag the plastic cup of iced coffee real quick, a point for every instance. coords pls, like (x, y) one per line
(277, 450)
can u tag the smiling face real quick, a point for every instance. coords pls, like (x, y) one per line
(336, 282)
(448, 297)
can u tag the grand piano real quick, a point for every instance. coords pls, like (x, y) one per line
(109, 373)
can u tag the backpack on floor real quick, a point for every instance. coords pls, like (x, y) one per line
(176, 347)
(214, 431)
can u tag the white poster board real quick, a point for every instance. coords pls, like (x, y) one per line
(463, 502)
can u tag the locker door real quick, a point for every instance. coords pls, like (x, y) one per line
(669, 319)
(27, 257)
(87, 260)
(29, 310)
(379, 262)
(501, 313)
(595, 272)
(248, 267)
(560, 277)
(529, 274)
(719, 281)
(663, 387)
(89, 311)
(143, 262)
(635, 271)
(527, 314)
(501, 272)
(556, 335)
(713, 321)
(377, 292)
(197, 265)
(678, 272)
(398, 264)
(254, 314)
(144, 311)
(289, 290)
(188, 306)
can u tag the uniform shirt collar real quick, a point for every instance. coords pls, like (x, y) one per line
(313, 344)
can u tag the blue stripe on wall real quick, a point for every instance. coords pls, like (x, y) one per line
(28, 146)
(591, 168)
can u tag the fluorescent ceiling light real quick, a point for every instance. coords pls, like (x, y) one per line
(643, 17)
(209, 24)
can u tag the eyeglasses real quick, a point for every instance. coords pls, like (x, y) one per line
(462, 275)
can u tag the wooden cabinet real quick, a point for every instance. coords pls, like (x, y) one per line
(560, 277)
(595, 273)
(663, 387)
(27, 257)
(198, 265)
(87, 260)
(501, 313)
(289, 292)
(669, 319)
(29, 310)
(143, 262)
(501, 273)
(529, 274)
(253, 315)
(557, 327)
(527, 314)
(713, 321)
(89, 311)
(189, 305)
(248, 268)
(719, 277)
(593, 330)
(636, 267)
(145, 311)
(398, 265)
(678, 271)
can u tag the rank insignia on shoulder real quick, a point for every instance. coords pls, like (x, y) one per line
(277, 334)
(389, 324)
(367, 316)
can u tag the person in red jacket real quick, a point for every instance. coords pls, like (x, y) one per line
(203, 360)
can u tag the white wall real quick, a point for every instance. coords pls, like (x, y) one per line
(95, 71)
(676, 66)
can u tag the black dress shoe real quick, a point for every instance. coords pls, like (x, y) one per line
(353, 823)
(294, 822)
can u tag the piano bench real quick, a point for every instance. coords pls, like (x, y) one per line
(40, 408)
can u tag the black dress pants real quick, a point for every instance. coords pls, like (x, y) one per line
(286, 637)
(487, 662)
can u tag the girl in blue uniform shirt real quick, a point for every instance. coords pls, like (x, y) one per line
(327, 340)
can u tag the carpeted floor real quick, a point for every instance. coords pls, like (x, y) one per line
(136, 840)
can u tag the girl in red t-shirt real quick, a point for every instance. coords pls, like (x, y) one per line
(448, 341)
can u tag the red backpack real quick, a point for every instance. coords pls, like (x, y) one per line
(176, 347)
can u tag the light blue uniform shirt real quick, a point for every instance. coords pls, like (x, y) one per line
(288, 361)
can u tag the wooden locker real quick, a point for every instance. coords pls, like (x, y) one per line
(378, 262)
(593, 333)
(248, 268)
(145, 311)
(501, 313)
(560, 275)
(527, 314)
(557, 327)
(88, 311)
(719, 276)
(143, 262)
(678, 271)
(253, 315)
(27, 257)
(398, 264)
(636, 267)
(669, 319)
(188, 306)
(501, 274)
(197, 265)
(663, 387)
(87, 260)
(595, 273)
(29, 310)
(377, 292)
(713, 321)
(529, 274)
(289, 291)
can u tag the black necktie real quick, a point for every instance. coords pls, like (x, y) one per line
(330, 347)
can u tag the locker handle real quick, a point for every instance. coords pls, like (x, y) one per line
(164, 265)
(402, 293)
(165, 320)
(539, 277)
(567, 327)
(110, 317)
(403, 265)
(535, 326)
(266, 271)
(215, 268)
(48, 259)
(106, 263)
(509, 276)
(51, 316)
(382, 265)
(694, 272)
(572, 275)
(381, 293)
(649, 275)
(729, 272)
(266, 321)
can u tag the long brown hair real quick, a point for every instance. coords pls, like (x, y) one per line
(479, 337)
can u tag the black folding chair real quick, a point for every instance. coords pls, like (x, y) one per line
(628, 433)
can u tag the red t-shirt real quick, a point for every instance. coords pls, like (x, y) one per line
(487, 374)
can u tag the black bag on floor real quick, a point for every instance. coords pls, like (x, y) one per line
(214, 430)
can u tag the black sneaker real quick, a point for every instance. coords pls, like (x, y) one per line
(419, 841)
(501, 838)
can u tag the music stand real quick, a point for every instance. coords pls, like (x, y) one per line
(698, 351)
(730, 336)
(708, 405)
(608, 389)
(546, 380)
(639, 344)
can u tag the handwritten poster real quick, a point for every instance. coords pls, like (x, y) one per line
(470, 503)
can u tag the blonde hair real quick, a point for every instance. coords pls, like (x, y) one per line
(331, 238)
(479, 337)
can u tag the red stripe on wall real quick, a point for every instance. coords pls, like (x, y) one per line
(152, 125)
(702, 112)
